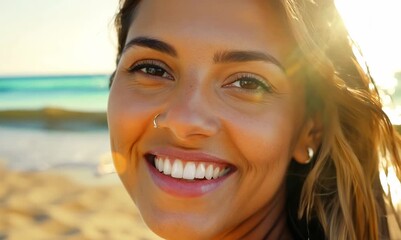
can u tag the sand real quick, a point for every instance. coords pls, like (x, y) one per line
(54, 183)
(50, 205)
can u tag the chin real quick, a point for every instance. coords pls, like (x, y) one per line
(181, 226)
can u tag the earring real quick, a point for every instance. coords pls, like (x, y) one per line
(155, 121)
(310, 155)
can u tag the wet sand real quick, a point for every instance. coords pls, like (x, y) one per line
(54, 119)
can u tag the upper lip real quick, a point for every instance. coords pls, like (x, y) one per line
(187, 155)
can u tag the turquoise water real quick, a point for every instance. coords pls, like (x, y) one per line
(37, 148)
(77, 92)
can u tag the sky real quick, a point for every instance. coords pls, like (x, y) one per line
(77, 36)
(57, 36)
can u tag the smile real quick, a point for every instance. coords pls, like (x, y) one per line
(189, 170)
(184, 174)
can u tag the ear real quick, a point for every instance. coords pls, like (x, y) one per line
(310, 137)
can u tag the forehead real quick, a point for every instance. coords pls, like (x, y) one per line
(255, 24)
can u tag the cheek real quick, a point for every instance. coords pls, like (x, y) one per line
(266, 139)
(265, 158)
(128, 117)
(264, 144)
(260, 145)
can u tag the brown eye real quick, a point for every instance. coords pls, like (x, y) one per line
(250, 82)
(150, 68)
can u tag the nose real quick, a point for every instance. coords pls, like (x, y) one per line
(189, 116)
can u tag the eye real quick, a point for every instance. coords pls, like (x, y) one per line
(250, 82)
(152, 68)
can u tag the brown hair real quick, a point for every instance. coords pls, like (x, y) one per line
(341, 188)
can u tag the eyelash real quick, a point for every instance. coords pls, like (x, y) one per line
(261, 83)
(148, 64)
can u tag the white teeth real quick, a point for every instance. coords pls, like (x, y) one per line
(188, 170)
(177, 169)
(209, 172)
(216, 172)
(159, 164)
(200, 171)
(167, 167)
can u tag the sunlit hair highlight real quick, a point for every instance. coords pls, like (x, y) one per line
(343, 187)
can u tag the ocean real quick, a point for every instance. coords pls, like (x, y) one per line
(87, 93)
(53, 122)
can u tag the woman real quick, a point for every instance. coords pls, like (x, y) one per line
(251, 119)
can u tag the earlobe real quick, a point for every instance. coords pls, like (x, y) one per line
(309, 141)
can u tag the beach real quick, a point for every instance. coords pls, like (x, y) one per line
(57, 180)
(56, 173)
(69, 195)
(49, 205)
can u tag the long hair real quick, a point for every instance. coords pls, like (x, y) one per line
(342, 188)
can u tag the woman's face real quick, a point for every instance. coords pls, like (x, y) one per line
(229, 116)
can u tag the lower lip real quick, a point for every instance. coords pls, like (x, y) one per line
(182, 187)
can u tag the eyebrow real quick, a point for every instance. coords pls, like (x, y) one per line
(245, 56)
(152, 44)
(220, 57)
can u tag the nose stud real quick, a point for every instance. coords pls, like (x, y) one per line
(155, 121)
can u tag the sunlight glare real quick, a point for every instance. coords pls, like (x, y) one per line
(391, 185)
(374, 25)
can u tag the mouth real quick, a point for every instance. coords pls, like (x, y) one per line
(188, 178)
(183, 173)
(189, 170)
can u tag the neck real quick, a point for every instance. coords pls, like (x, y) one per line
(268, 223)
